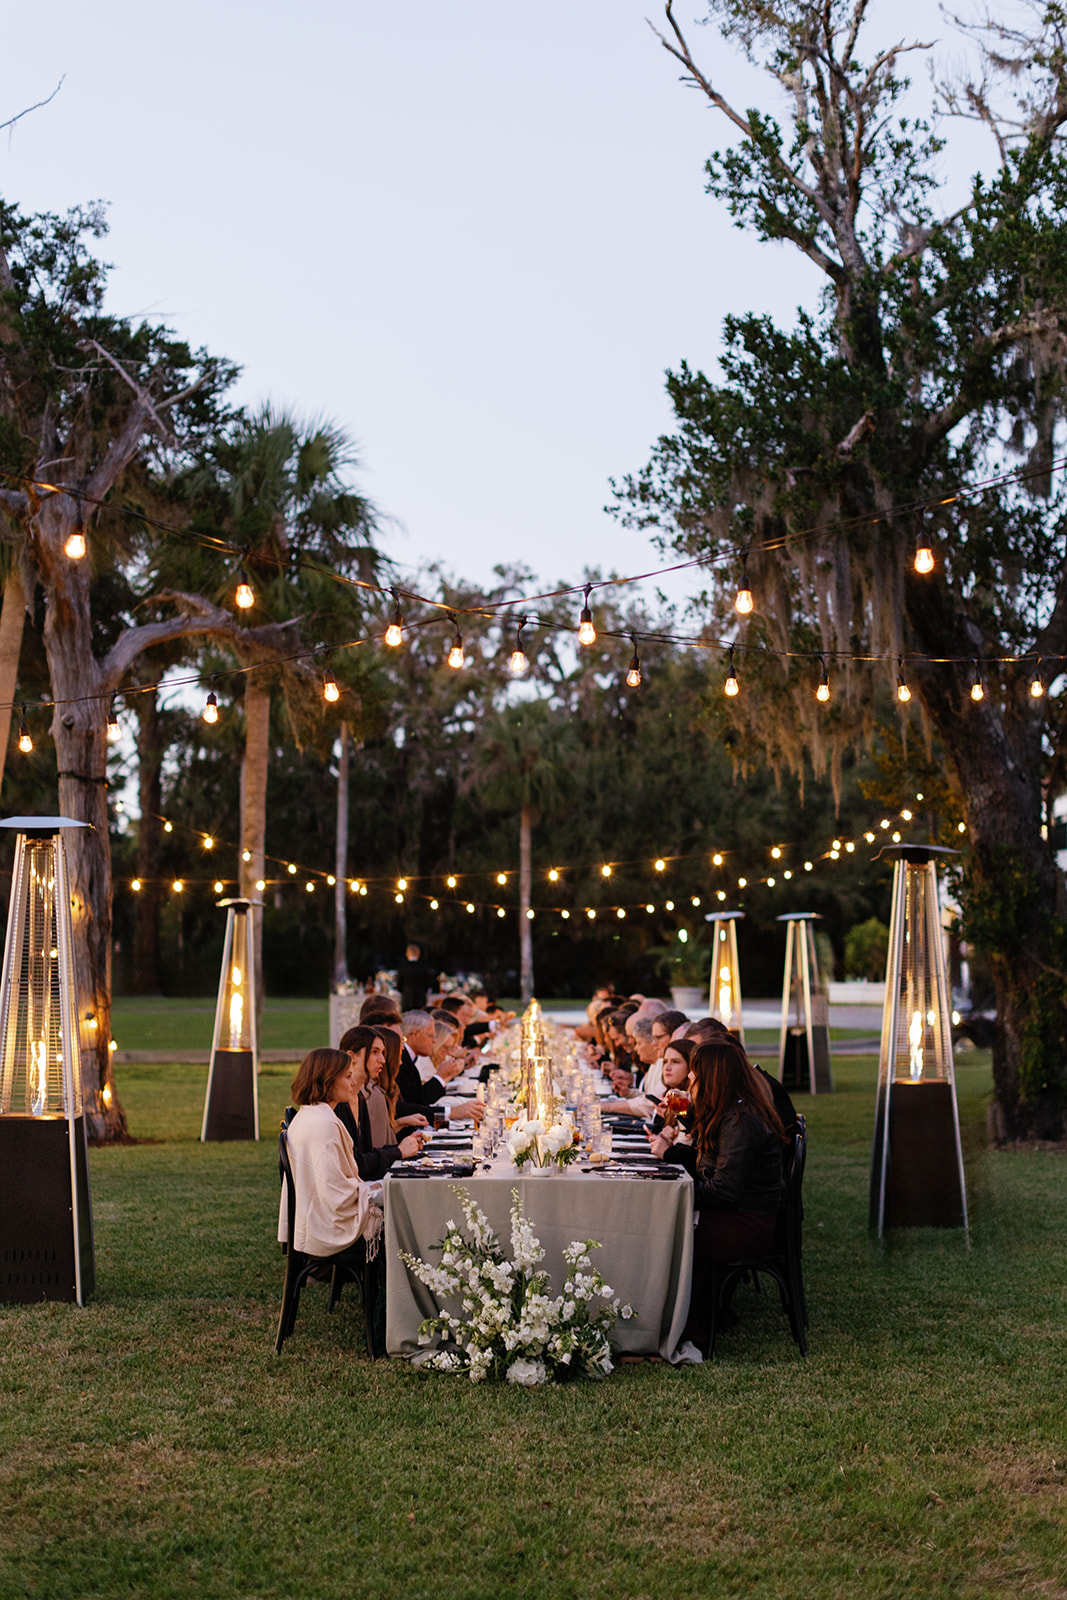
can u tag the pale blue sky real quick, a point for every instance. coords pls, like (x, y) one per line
(474, 234)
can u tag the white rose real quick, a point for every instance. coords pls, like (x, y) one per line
(558, 1138)
(528, 1373)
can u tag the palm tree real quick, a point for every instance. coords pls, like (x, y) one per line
(521, 765)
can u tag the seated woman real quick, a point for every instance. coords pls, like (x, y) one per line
(736, 1161)
(675, 1109)
(337, 1215)
(366, 1048)
(449, 1058)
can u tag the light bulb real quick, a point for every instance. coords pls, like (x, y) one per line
(219, 886)
(261, 884)
(244, 595)
(586, 630)
(114, 732)
(553, 875)
(292, 869)
(434, 905)
(246, 855)
(716, 860)
(210, 712)
(451, 880)
(177, 886)
(168, 827)
(501, 878)
(822, 693)
(605, 871)
(75, 546)
(744, 603)
(394, 633)
(310, 887)
(633, 676)
(209, 843)
(401, 884)
(136, 885)
(776, 853)
(517, 663)
(25, 742)
(903, 692)
(455, 655)
(977, 689)
(330, 689)
(659, 864)
(1037, 685)
(924, 555)
(731, 686)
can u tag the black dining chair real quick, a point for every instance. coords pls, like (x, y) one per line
(784, 1264)
(299, 1267)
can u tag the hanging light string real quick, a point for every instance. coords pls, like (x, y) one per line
(839, 848)
(492, 608)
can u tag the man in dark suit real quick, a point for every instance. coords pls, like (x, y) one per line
(415, 978)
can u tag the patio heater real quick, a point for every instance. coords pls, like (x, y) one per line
(231, 1105)
(804, 1042)
(725, 999)
(917, 1162)
(46, 1220)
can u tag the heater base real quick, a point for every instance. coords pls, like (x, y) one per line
(922, 1183)
(796, 1075)
(230, 1112)
(37, 1241)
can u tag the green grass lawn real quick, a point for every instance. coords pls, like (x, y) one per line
(149, 1022)
(153, 1445)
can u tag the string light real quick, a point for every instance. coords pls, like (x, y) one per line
(261, 884)
(620, 913)
(292, 869)
(434, 905)
(586, 630)
(731, 686)
(25, 742)
(924, 555)
(850, 848)
(977, 687)
(787, 875)
(716, 860)
(401, 884)
(822, 693)
(168, 827)
(565, 915)
(394, 633)
(219, 886)
(721, 895)
(776, 853)
(502, 878)
(455, 654)
(907, 815)
(500, 911)
(529, 914)
(246, 855)
(330, 688)
(210, 712)
(553, 875)
(451, 880)
(331, 880)
(177, 886)
(399, 898)
(470, 908)
(209, 843)
(1037, 683)
(114, 732)
(590, 913)
(809, 866)
(633, 675)
(650, 910)
(696, 899)
(310, 887)
(518, 664)
(743, 604)
(659, 864)
(742, 883)
(75, 546)
(244, 596)
(136, 885)
(903, 692)
(605, 871)
(669, 906)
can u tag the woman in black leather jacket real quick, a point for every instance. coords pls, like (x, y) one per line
(735, 1159)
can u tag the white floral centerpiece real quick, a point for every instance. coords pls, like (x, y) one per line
(513, 1327)
(531, 1143)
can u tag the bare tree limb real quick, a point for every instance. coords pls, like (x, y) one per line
(939, 423)
(142, 394)
(858, 431)
(11, 121)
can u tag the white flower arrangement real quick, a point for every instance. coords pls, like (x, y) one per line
(513, 1327)
(529, 1141)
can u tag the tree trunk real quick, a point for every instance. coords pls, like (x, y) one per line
(254, 812)
(526, 979)
(79, 728)
(340, 904)
(12, 620)
(146, 963)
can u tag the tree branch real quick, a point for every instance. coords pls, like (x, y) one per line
(11, 121)
(199, 617)
(939, 423)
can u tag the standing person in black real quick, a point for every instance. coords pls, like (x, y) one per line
(415, 978)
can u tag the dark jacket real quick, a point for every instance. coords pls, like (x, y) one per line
(371, 1163)
(415, 1095)
(747, 1171)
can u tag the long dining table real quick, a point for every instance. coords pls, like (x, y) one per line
(644, 1225)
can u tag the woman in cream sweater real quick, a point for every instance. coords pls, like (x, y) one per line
(336, 1211)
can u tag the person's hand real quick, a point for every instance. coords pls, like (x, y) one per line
(449, 1069)
(411, 1147)
(415, 1120)
(660, 1144)
(621, 1080)
(471, 1110)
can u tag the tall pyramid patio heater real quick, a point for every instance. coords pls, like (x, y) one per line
(46, 1220)
(724, 1002)
(804, 1040)
(231, 1105)
(917, 1161)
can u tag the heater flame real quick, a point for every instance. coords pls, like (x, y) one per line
(915, 1040)
(38, 1076)
(237, 1012)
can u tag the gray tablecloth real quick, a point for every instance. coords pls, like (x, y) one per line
(645, 1227)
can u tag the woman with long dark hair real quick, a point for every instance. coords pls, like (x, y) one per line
(735, 1159)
